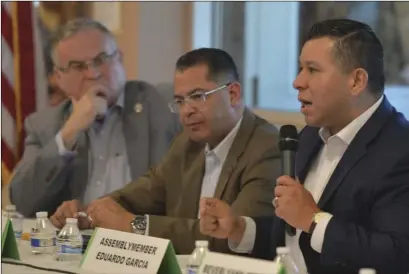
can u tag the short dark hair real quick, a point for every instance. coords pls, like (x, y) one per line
(220, 64)
(356, 46)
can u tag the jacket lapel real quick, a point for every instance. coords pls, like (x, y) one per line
(135, 119)
(356, 150)
(193, 172)
(353, 154)
(238, 147)
(308, 149)
(79, 168)
(79, 179)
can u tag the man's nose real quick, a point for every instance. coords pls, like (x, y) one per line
(92, 72)
(300, 82)
(186, 109)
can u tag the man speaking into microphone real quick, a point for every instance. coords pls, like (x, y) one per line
(349, 202)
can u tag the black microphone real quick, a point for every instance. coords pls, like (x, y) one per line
(288, 145)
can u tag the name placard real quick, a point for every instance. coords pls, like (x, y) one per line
(217, 263)
(9, 247)
(111, 251)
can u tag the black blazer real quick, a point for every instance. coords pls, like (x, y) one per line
(368, 194)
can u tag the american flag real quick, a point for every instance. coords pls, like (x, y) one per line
(23, 79)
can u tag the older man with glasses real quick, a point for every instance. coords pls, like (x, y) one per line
(225, 151)
(107, 133)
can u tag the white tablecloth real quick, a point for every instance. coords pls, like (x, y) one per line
(46, 261)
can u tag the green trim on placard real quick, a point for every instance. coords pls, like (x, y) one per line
(9, 247)
(281, 269)
(89, 245)
(4, 234)
(169, 264)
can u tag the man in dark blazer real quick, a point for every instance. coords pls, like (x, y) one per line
(350, 202)
(108, 132)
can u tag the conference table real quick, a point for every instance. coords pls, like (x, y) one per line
(45, 264)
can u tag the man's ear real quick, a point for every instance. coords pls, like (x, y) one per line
(358, 81)
(235, 93)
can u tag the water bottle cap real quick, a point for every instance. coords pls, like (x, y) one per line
(283, 250)
(10, 207)
(71, 221)
(42, 214)
(367, 271)
(202, 243)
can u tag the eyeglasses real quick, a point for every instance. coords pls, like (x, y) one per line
(195, 99)
(81, 66)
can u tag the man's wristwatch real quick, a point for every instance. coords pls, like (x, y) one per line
(139, 224)
(315, 219)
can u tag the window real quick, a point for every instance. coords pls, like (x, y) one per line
(266, 43)
(271, 55)
(390, 21)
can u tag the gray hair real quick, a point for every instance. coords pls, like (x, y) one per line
(73, 27)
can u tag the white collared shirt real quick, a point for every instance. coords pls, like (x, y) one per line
(317, 178)
(108, 167)
(214, 162)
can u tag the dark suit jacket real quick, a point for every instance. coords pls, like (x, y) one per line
(43, 171)
(368, 194)
(170, 192)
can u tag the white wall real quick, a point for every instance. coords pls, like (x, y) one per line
(202, 24)
(271, 52)
(160, 40)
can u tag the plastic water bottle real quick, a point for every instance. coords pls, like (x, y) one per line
(69, 242)
(42, 236)
(367, 271)
(16, 220)
(196, 259)
(285, 263)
